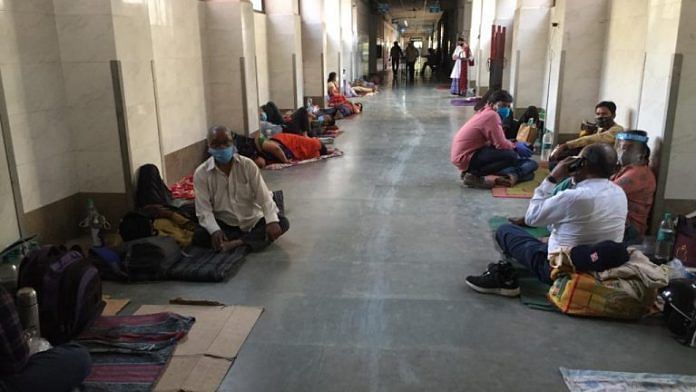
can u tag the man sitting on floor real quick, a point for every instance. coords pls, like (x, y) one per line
(60, 368)
(233, 203)
(605, 113)
(480, 148)
(636, 179)
(594, 211)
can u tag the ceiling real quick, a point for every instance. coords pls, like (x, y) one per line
(416, 13)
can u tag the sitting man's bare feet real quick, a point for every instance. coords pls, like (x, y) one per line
(509, 180)
(229, 246)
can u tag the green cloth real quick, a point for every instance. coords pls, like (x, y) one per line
(496, 221)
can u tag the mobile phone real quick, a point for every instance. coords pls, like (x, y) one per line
(576, 164)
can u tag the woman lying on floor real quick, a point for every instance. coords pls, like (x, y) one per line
(338, 100)
(279, 148)
(303, 121)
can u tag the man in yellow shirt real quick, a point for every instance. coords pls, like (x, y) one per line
(607, 129)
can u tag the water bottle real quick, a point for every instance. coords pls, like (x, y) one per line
(28, 310)
(665, 240)
(546, 144)
(309, 104)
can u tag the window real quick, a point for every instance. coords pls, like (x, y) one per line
(258, 5)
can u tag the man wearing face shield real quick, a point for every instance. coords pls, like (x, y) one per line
(605, 113)
(636, 179)
(234, 206)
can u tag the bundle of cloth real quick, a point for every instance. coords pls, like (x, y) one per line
(605, 280)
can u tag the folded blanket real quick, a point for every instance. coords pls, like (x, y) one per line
(130, 353)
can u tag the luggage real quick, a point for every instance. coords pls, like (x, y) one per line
(135, 225)
(149, 259)
(685, 241)
(580, 294)
(68, 288)
(527, 133)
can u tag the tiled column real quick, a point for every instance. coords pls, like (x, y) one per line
(87, 47)
(529, 46)
(231, 69)
(577, 51)
(134, 52)
(348, 40)
(285, 53)
(332, 18)
(313, 49)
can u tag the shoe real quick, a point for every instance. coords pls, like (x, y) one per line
(473, 181)
(499, 279)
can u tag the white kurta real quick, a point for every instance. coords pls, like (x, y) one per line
(459, 56)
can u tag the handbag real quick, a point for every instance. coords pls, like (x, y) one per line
(527, 133)
(685, 241)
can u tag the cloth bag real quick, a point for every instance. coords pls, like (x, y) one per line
(685, 241)
(527, 133)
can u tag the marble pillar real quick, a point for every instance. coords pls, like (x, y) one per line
(314, 45)
(529, 49)
(285, 57)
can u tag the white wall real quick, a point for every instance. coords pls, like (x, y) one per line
(134, 50)
(313, 47)
(624, 58)
(261, 41)
(333, 37)
(9, 230)
(530, 39)
(681, 181)
(32, 75)
(176, 42)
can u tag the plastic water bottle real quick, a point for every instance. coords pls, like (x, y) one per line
(546, 144)
(665, 240)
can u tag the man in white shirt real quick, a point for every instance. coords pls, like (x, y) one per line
(233, 204)
(591, 212)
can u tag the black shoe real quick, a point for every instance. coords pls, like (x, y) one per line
(499, 279)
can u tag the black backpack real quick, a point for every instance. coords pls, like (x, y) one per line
(68, 289)
(135, 225)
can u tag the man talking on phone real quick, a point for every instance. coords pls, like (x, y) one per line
(594, 210)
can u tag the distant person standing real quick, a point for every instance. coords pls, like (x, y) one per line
(395, 54)
(462, 60)
(411, 58)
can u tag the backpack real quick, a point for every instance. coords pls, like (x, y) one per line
(135, 225)
(68, 289)
(150, 258)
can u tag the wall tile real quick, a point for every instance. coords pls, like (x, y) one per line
(47, 180)
(88, 84)
(94, 128)
(86, 38)
(32, 87)
(100, 171)
(27, 6)
(137, 82)
(82, 7)
(27, 37)
(37, 135)
(680, 184)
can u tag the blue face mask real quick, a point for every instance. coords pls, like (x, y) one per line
(504, 112)
(263, 116)
(223, 155)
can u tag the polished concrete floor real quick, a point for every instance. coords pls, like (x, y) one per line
(365, 292)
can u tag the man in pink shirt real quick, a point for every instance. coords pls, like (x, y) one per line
(480, 148)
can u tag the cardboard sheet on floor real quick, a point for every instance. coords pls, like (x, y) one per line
(114, 306)
(202, 359)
